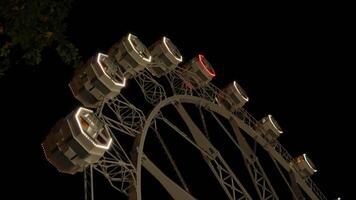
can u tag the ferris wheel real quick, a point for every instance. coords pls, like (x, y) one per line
(147, 114)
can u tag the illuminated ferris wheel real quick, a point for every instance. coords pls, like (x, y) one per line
(136, 98)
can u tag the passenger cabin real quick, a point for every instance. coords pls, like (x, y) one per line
(131, 54)
(236, 97)
(165, 57)
(198, 71)
(305, 166)
(270, 128)
(76, 141)
(100, 77)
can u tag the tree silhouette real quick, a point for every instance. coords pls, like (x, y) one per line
(28, 27)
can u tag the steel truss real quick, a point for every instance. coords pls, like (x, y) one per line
(123, 169)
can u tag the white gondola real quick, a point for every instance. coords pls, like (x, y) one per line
(305, 166)
(270, 128)
(131, 54)
(76, 141)
(99, 78)
(236, 95)
(165, 57)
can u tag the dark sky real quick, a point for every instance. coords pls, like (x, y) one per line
(292, 62)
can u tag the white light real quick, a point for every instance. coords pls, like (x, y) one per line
(146, 59)
(243, 96)
(270, 119)
(306, 160)
(217, 100)
(106, 147)
(44, 151)
(180, 59)
(102, 69)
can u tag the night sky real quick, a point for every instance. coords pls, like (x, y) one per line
(292, 63)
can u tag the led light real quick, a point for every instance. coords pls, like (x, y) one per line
(210, 72)
(217, 100)
(237, 89)
(102, 69)
(146, 59)
(180, 59)
(44, 151)
(106, 147)
(270, 119)
(306, 160)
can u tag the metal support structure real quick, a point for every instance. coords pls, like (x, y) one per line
(186, 137)
(259, 178)
(188, 84)
(117, 167)
(176, 192)
(261, 182)
(296, 189)
(247, 123)
(128, 119)
(153, 91)
(120, 115)
(202, 118)
(178, 84)
(244, 120)
(170, 158)
(88, 183)
(209, 92)
(227, 179)
(284, 178)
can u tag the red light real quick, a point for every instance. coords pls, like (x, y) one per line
(210, 71)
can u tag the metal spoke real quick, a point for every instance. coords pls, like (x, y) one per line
(227, 179)
(260, 180)
(172, 188)
(88, 183)
(184, 135)
(284, 177)
(170, 158)
(204, 122)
